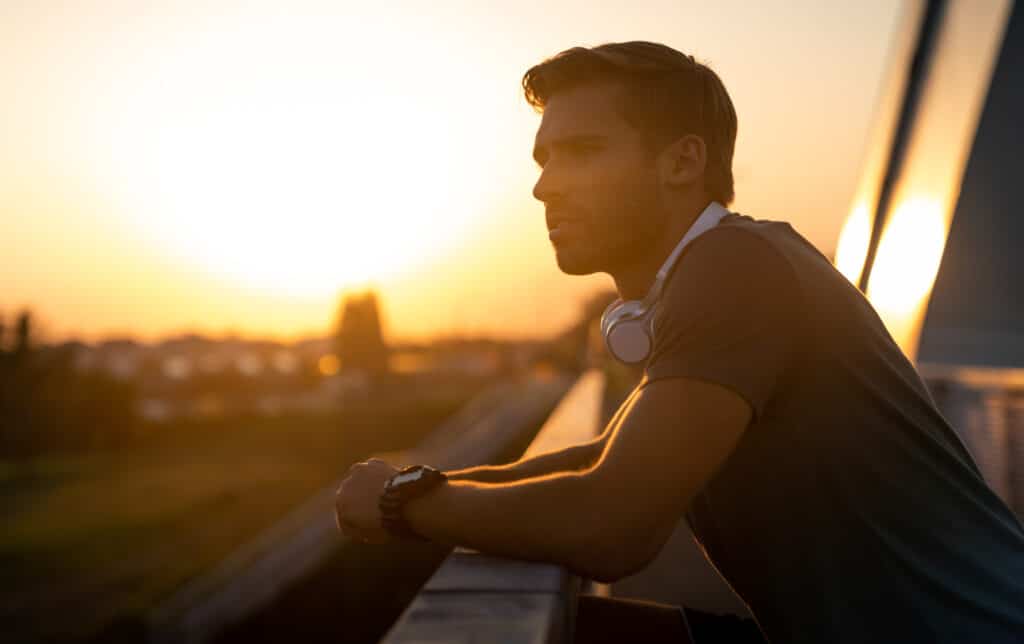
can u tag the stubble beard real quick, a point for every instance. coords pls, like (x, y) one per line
(618, 235)
(631, 228)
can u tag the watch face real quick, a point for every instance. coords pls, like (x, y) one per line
(408, 477)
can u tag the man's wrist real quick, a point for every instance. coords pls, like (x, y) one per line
(404, 487)
(424, 514)
(481, 474)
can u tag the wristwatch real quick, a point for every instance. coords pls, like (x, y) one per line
(407, 484)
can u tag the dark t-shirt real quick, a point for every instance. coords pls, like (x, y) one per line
(849, 510)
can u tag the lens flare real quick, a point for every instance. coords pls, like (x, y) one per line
(907, 262)
(854, 238)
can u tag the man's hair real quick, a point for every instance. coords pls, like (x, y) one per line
(667, 94)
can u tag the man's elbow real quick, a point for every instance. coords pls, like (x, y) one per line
(606, 574)
(610, 572)
(611, 539)
(619, 558)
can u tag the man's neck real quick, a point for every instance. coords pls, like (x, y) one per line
(633, 281)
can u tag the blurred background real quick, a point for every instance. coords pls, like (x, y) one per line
(245, 244)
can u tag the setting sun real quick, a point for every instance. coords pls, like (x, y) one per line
(257, 174)
(231, 168)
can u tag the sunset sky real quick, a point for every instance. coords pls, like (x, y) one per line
(234, 166)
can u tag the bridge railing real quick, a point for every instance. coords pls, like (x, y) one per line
(986, 407)
(480, 598)
(260, 571)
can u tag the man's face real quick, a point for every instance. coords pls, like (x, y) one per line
(598, 182)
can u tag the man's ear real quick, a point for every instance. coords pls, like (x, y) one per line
(682, 162)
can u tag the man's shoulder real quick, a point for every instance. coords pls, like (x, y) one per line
(738, 246)
(735, 264)
(761, 249)
(739, 268)
(770, 232)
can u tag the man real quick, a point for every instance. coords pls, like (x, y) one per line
(775, 412)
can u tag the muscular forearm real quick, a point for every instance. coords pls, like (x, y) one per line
(571, 459)
(556, 518)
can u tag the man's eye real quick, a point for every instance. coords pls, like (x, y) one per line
(577, 152)
(571, 150)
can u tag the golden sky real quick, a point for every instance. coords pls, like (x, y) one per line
(225, 166)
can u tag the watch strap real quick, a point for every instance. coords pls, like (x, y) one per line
(394, 497)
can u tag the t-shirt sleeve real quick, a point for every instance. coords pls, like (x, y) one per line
(729, 315)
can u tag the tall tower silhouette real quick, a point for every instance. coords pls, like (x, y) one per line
(359, 339)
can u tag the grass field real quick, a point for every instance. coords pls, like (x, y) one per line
(91, 538)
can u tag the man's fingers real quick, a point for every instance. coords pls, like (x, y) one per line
(348, 490)
(353, 532)
(366, 463)
(345, 527)
(339, 516)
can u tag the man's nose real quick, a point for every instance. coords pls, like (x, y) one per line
(546, 189)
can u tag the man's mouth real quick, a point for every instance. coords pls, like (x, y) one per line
(555, 220)
(558, 230)
(556, 217)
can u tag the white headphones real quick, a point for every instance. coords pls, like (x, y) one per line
(628, 327)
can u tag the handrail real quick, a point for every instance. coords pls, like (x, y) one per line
(985, 406)
(252, 576)
(480, 598)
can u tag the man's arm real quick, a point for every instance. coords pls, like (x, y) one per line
(571, 459)
(610, 520)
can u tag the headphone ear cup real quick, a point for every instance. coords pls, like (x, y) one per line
(628, 340)
(610, 311)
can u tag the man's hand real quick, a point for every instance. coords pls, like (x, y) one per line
(355, 505)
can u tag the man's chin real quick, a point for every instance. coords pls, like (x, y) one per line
(573, 264)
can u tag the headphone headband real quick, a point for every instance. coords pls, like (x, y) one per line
(624, 324)
(707, 220)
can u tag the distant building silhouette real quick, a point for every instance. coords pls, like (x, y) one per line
(359, 340)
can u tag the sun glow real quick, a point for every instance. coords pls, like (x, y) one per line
(255, 168)
(909, 253)
(854, 238)
(927, 185)
(226, 167)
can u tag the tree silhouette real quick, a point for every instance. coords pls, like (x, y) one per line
(22, 334)
(47, 405)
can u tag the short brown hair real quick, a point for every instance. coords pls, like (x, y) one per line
(667, 94)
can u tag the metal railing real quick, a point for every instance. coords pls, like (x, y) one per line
(252, 577)
(478, 598)
(986, 408)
